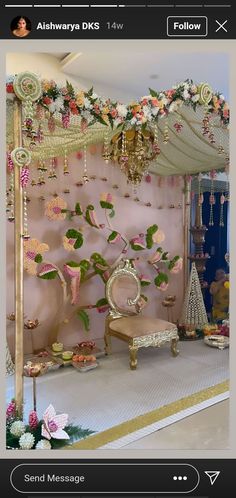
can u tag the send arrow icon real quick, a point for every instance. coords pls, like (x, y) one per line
(212, 474)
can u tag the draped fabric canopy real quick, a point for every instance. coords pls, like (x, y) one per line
(187, 151)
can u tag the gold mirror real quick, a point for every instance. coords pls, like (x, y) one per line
(123, 289)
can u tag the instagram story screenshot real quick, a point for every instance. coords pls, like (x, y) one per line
(117, 372)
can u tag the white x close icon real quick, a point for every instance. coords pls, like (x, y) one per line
(221, 26)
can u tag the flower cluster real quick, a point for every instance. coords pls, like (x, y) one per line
(92, 108)
(52, 432)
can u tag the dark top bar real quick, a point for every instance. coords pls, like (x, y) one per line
(119, 23)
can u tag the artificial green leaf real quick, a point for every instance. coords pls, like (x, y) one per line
(106, 205)
(160, 278)
(73, 264)
(49, 276)
(72, 233)
(112, 213)
(78, 209)
(112, 236)
(38, 258)
(101, 302)
(83, 316)
(79, 241)
(150, 232)
(99, 118)
(153, 93)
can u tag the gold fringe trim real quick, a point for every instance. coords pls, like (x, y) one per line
(121, 430)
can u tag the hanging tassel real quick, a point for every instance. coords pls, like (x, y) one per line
(222, 201)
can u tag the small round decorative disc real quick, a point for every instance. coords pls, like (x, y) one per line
(27, 86)
(21, 157)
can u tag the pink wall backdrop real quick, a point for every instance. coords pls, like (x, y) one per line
(42, 298)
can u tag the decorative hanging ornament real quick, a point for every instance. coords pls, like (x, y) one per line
(65, 169)
(200, 195)
(155, 146)
(52, 172)
(212, 198)
(25, 234)
(24, 176)
(205, 93)
(166, 137)
(21, 157)
(65, 117)
(11, 199)
(85, 174)
(222, 201)
(51, 124)
(106, 153)
(28, 89)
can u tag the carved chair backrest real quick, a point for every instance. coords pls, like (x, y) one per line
(123, 290)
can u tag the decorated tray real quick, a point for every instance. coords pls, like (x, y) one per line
(217, 341)
(84, 366)
(95, 351)
(51, 362)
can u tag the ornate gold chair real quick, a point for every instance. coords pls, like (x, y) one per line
(124, 320)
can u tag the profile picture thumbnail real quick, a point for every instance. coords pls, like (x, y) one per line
(21, 26)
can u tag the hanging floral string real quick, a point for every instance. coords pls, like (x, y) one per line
(212, 198)
(11, 190)
(222, 201)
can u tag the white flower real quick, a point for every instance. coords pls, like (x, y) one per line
(117, 121)
(59, 103)
(52, 107)
(222, 97)
(173, 106)
(17, 428)
(122, 110)
(54, 424)
(147, 112)
(43, 444)
(186, 85)
(146, 97)
(196, 97)
(87, 115)
(155, 111)
(133, 121)
(186, 94)
(94, 96)
(26, 441)
(194, 89)
(165, 100)
(87, 103)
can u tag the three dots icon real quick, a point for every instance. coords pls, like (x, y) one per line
(180, 478)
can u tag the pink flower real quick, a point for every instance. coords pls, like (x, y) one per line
(148, 178)
(103, 308)
(11, 409)
(33, 420)
(54, 424)
(158, 237)
(177, 266)
(163, 286)
(155, 257)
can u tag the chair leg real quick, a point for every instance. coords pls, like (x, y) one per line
(107, 340)
(174, 348)
(133, 357)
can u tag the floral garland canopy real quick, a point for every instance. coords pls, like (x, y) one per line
(185, 127)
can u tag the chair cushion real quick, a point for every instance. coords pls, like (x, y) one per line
(139, 326)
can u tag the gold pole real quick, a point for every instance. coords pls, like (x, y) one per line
(187, 219)
(19, 305)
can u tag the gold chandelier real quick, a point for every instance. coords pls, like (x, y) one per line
(133, 150)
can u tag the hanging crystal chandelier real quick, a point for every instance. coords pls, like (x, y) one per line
(133, 150)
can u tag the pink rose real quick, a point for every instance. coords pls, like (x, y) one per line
(163, 286)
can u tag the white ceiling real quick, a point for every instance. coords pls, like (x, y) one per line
(123, 69)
